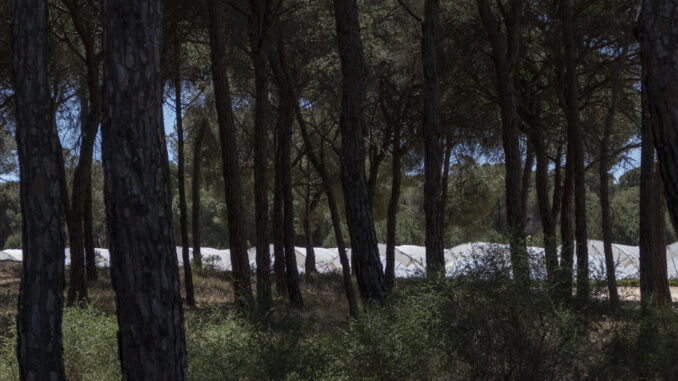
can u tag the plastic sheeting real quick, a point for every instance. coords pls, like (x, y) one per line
(410, 260)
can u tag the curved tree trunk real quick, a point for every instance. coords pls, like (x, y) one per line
(39, 348)
(90, 254)
(144, 267)
(91, 102)
(334, 214)
(433, 152)
(365, 253)
(229, 157)
(195, 190)
(183, 217)
(662, 291)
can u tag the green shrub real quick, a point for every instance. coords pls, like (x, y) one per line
(90, 344)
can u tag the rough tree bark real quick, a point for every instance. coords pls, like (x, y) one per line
(566, 230)
(144, 268)
(260, 20)
(574, 138)
(506, 50)
(334, 214)
(183, 217)
(604, 180)
(365, 253)
(287, 79)
(651, 209)
(83, 266)
(285, 123)
(39, 347)
(195, 191)
(662, 291)
(433, 151)
(277, 229)
(392, 212)
(309, 207)
(229, 158)
(658, 35)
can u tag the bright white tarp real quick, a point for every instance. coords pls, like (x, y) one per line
(410, 260)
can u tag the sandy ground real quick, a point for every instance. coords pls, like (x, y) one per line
(633, 293)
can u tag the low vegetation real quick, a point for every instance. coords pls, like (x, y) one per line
(469, 327)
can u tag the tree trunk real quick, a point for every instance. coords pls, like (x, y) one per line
(392, 212)
(195, 190)
(285, 123)
(183, 217)
(446, 180)
(308, 233)
(83, 172)
(545, 211)
(334, 213)
(365, 253)
(566, 229)
(662, 291)
(574, 138)
(525, 188)
(505, 56)
(604, 180)
(277, 224)
(144, 268)
(651, 239)
(259, 42)
(658, 40)
(433, 152)
(39, 348)
(90, 254)
(229, 158)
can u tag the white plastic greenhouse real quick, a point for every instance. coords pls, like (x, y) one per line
(410, 260)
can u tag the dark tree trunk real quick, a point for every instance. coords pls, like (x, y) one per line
(39, 347)
(285, 123)
(309, 206)
(662, 291)
(277, 228)
(433, 152)
(446, 180)
(144, 268)
(604, 186)
(567, 230)
(83, 172)
(365, 253)
(505, 56)
(90, 254)
(548, 221)
(229, 158)
(259, 42)
(334, 213)
(183, 217)
(574, 138)
(195, 190)
(651, 209)
(658, 34)
(525, 188)
(392, 212)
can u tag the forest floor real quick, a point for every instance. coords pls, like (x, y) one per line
(454, 329)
